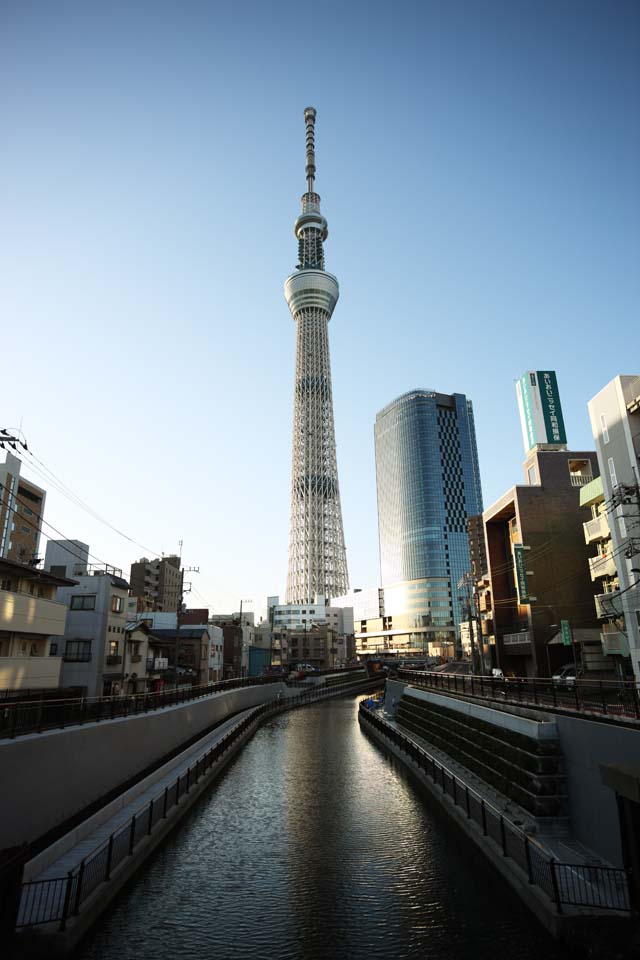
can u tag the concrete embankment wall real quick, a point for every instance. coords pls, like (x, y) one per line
(585, 744)
(593, 809)
(49, 777)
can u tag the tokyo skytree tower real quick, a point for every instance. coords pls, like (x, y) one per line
(317, 557)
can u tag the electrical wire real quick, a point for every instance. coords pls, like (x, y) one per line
(39, 517)
(45, 472)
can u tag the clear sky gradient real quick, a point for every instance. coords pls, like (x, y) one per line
(479, 166)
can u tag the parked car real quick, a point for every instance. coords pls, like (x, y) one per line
(566, 676)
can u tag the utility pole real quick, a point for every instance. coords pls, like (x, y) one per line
(476, 610)
(465, 581)
(242, 635)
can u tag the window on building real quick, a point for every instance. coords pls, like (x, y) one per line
(59, 571)
(605, 432)
(612, 472)
(77, 651)
(116, 604)
(83, 602)
(25, 529)
(28, 511)
(113, 648)
(5, 584)
(531, 476)
(53, 649)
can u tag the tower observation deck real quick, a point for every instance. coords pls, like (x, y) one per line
(317, 556)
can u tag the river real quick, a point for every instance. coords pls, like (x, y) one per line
(314, 843)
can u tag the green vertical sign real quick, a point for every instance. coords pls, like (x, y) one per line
(522, 581)
(567, 639)
(551, 409)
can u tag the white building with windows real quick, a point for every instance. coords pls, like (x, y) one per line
(615, 421)
(93, 647)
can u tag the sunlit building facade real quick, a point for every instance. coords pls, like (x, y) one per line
(428, 484)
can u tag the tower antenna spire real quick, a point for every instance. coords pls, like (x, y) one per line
(310, 121)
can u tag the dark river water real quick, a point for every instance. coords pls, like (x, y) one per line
(314, 843)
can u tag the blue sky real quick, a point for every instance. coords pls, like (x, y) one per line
(479, 166)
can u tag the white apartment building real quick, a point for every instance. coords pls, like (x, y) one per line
(615, 421)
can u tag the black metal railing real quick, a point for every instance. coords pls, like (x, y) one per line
(582, 885)
(35, 716)
(610, 698)
(60, 898)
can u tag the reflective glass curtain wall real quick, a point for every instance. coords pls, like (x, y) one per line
(428, 483)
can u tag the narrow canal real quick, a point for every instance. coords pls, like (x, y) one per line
(315, 844)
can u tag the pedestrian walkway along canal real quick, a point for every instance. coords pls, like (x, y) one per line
(314, 843)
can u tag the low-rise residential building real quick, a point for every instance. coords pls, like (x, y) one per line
(192, 644)
(316, 647)
(538, 565)
(136, 658)
(604, 572)
(66, 558)
(238, 636)
(32, 623)
(21, 510)
(615, 422)
(93, 646)
(157, 583)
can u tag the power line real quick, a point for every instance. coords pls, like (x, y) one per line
(39, 517)
(53, 480)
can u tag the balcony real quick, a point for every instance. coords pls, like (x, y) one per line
(22, 613)
(522, 639)
(113, 659)
(580, 479)
(157, 665)
(597, 529)
(608, 604)
(136, 658)
(35, 673)
(614, 643)
(602, 566)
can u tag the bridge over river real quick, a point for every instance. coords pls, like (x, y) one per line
(314, 843)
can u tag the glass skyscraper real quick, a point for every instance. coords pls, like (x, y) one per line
(428, 483)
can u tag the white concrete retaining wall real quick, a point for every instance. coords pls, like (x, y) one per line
(49, 777)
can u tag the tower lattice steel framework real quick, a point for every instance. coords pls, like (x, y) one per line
(317, 556)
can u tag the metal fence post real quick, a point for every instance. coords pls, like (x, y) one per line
(556, 888)
(67, 900)
(150, 823)
(484, 818)
(107, 872)
(166, 797)
(12, 727)
(466, 791)
(504, 836)
(527, 853)
(132, 835)
(76, 908)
